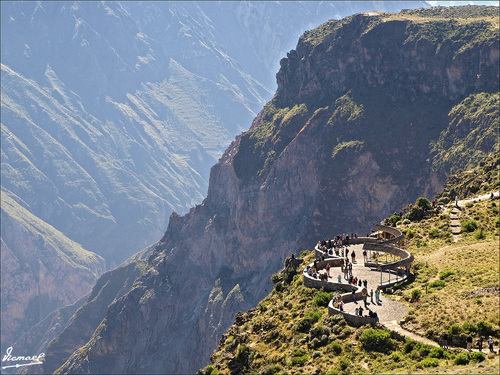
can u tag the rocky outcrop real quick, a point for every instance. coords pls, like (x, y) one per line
(345, 142)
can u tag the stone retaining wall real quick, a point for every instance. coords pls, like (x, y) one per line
(355, 320)
(398, 236)
(330, 286)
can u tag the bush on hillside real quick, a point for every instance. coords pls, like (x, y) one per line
(455, 329)
(479, 235)
(322, 299)
(477, 356)
(462, 358)
(423, 203)
(469, 225)
(304, 324)
(484, 328)
(416, 214)
(415, 295)
(437, 284)
(430, 362)
(443, 275)
(394, 219)
(434, 233)
(376, 340)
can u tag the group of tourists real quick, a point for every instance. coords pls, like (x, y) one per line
(338, 240)
(469, 340)
(359, 312)
(443, 342)
(337, 301)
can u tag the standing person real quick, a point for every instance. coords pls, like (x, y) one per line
(339, 279)
(468, 340)
(480, 343)
(490, 344)
(354, 294)
(371, 295)
(364, 255)
(353, 256)
(328, 269)
(365, 296)
(377, 295)
(456, 201)
(445, 340)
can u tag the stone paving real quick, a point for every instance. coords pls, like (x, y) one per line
(387, 310)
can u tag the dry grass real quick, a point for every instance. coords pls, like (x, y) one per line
(470, 294)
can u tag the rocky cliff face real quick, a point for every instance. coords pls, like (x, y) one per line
(113, 113)
(345, 141)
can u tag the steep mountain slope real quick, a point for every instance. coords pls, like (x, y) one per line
(291, 331)
(113, 113)
(346, 140)
(40, 266)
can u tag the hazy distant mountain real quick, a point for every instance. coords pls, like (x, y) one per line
(113, 113)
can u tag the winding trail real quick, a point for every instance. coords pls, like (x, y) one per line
(455, 212)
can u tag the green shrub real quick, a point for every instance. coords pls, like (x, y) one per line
(479, 235)
(210, 370)
(409, 345)
(242, 353)
(344, 364)
(300, 361)
(434, 233)
(477, 356)
(415, 354)
(415, 294)
(455, 329)
(430, 362)
(299, 357)
(443, 275)
(396, 356)
(436, 353)
(305, 253)
(423, 203)
(376, 340)
(462, 358)
(335, 347)
(469, 225)
(469, 327)
(394, 219)
(424, 349)
(276, 278)
(416, 214)
(322, 299)
(304, 324)
(484, 329)
(437, 284)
